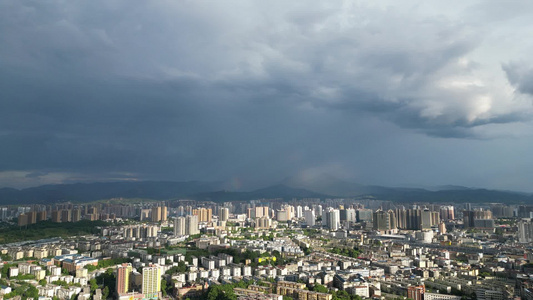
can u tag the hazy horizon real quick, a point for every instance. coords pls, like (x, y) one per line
(235, 185)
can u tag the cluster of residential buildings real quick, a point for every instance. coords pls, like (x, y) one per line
(372, 249)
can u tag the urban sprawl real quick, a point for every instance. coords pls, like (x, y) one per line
(268, 249)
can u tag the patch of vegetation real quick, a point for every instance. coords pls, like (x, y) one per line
(269, 237)
(105, 263)
(24, 277)
(241, 257)
(108, 281)
(306, 250)
(166, 288)
(155, 251)
(5, 257)
(505, 221)
(65, 284)
(485, 274)
(180, 268)
(24, 290)
(350, 252)
(192, 237)
(195, 252)
(225, 291)
(343, 295)
(320, 288)
(167, 229)
(311, 232)
(48, 229)
(5, 270)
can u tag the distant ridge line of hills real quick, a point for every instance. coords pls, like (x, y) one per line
(319, 187)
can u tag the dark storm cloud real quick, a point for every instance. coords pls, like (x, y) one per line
(211, 90)
(520, 75)
(36, 174)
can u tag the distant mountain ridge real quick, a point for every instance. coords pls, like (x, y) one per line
(157, 190)
(271, 192)
(323, 186)
(87, 192)
(331, 185)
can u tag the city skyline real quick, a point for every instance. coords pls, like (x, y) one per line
(267, 249)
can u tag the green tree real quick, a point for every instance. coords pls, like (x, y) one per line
(225, 292)
(164, 287)
(93, 285)
(105, 292)
(341, 295)
(5, 269)
(180, 268)
(320, 288)
(31, 292)
(306, 250)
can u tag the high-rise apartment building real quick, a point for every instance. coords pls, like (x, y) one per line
(223, 214)
(42, 216)
(416, 292)
(364, 215)
(435, 218)
(179, 226)
(56, 216)
(261, 211)
(348, 215)
(414, 219)
(76, 215)
(502, 211)
(32, 217)
(3, 213)
(470, 217)
(22, 220)
(310, 218)
(181, 210)
(156, 214)
(281, 215)
(525, 231)
(191, 225)
(384, 220)
(123, 278)
(447, 213)
(334, 219)
(442, 228)
(164, 213)
(66, 215)
(263, 222)
(258, 212)
(401, 217)
(299, 212)
(318, 210)
(151, 281)
(425, 219)
(204, 214)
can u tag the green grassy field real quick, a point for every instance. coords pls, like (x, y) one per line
(48, 229)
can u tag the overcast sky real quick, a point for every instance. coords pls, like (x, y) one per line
(250, 92)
